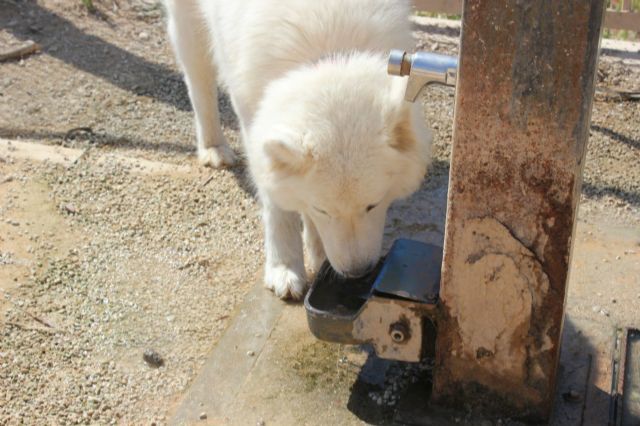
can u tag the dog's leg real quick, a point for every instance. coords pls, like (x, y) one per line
(188, 34)
(284, 269)
(313, 245)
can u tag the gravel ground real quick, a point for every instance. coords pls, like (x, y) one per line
(143, 263)
(99, 263)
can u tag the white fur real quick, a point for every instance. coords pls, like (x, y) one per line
(317, 113)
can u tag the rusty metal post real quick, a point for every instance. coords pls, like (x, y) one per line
(523, 106)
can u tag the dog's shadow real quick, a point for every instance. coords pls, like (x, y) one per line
(420, 217)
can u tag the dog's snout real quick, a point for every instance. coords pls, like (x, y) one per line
(359, 271)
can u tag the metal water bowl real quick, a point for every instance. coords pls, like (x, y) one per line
(394, 308)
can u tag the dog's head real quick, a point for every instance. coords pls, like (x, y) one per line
(337, 142)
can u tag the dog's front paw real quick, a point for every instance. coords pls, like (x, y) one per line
(217, 156)
(285, 283)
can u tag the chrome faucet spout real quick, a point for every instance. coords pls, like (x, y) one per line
(422, 68)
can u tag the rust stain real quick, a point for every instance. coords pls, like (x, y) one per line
(523, 106)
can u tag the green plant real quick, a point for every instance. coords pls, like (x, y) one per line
(89, 5)
(622, 34)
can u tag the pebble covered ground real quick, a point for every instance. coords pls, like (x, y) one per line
(114, 285)
(149, 265)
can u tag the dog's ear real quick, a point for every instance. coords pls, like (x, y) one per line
(287, 159)
(402, 136)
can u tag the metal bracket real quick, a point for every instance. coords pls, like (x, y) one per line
(394, 310)
(625, 387)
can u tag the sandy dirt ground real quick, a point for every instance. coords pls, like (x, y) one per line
(102, 260)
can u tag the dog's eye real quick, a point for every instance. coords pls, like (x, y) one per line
(371, 207)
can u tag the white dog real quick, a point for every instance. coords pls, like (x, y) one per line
(327, 133)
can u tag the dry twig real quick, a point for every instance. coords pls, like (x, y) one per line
(206, 182)
(27, 48)
(24, 311)
(616, 94)
(24, 327)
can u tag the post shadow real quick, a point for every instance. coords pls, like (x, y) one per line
(378, 375)
(598, 191)
(116, 142)
(617, 136)
(62, 39)
(578, 402)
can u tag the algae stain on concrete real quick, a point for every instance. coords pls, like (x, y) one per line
(322, 365)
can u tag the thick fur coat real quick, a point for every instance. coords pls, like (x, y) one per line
(327, 134)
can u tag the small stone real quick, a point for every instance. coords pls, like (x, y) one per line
(70, 208)
(203, 415)
(250, 353)
(614, 301)
(260, 423)
(153, 358)
(572, 396)
(435, 46)
(143, 35)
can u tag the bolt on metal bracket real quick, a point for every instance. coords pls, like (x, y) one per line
(422, 68)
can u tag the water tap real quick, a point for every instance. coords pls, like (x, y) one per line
(423, 68)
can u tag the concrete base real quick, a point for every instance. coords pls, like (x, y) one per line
(290, 378)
